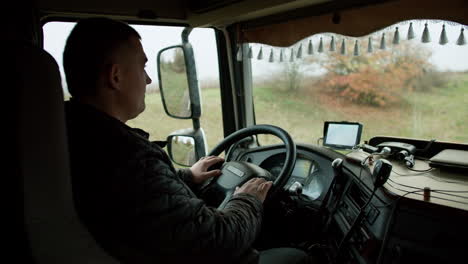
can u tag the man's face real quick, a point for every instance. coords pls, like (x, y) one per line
(134, 78)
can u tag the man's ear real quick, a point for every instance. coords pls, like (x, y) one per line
(114, 76)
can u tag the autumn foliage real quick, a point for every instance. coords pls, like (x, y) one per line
(378, 78)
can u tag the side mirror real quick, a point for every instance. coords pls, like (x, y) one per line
(178, 82)
(186, 146)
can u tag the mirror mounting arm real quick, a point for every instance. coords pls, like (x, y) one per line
(185, 34)
(196, 123)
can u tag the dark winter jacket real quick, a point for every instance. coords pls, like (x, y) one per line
(141, 209)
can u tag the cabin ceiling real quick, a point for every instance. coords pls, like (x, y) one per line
(194, 13)
(260, 20)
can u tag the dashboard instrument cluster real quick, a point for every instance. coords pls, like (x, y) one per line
(311, 171)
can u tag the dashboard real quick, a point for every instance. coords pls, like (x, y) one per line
(393, 227)
(305, 172)
(312, 170)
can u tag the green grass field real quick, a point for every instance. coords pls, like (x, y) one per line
(441, 114)
(155, 121)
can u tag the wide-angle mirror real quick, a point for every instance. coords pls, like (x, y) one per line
(182, 150)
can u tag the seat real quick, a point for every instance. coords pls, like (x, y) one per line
(52, 231)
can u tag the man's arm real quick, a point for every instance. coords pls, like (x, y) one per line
(186, 175)
(171, 219)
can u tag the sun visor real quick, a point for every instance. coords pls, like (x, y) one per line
(354, 22)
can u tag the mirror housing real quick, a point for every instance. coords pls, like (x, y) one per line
(186, 146)
(178, 82)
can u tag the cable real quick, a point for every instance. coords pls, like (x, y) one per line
(404, 185)
(356, 147)
(445, 192)
(435, 190)
(426, 170)
(409, 186)
(444, 181)
(415, 191)
(363, 163)
(453, 195)
(318, 141)
(390, 223)
(364, 184)
(419, 174)
(361, 214)
(352, 228)
(384, 152)
(429, 176)
(435, 197)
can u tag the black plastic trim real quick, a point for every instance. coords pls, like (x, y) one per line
(44, 19)
(227, 100)
(434, 147)
(315, 10)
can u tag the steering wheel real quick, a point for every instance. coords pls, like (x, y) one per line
(236, 173)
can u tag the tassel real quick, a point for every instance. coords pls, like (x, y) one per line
(443, 36)
(271, 59)
(250, 53)
(370, 49)
(320, 49)
(239, 52)
(260, 54)
(382, 42)
(281, 56)
(332, 44)
(343, 47)
(299, 52)
(461, 39)
(310, 49)
(291, 58)
(396, 37)
(426, 38)
(410, 31)
(356, 48)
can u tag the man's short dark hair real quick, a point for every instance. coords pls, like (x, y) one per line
(89, 47)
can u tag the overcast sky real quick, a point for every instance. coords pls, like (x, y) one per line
(449, 57)
(153, 40)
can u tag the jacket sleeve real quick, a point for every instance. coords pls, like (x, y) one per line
(172, 219)
(186, 176)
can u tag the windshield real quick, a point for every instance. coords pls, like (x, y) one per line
(393, 86)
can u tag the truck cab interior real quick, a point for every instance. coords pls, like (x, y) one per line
(393, 197)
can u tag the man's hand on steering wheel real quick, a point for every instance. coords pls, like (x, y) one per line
(199, 169)
(257, 187)
(238, 172)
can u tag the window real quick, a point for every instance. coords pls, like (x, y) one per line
(154, 38)
(404, 88)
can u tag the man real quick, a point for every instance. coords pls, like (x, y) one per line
(137, 206)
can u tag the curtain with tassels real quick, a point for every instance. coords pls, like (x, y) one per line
(277, 54)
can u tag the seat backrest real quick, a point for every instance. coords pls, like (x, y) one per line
(52, 229)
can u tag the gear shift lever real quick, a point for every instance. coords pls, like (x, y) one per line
(338, 184)
(335, 188)
(337, 166)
